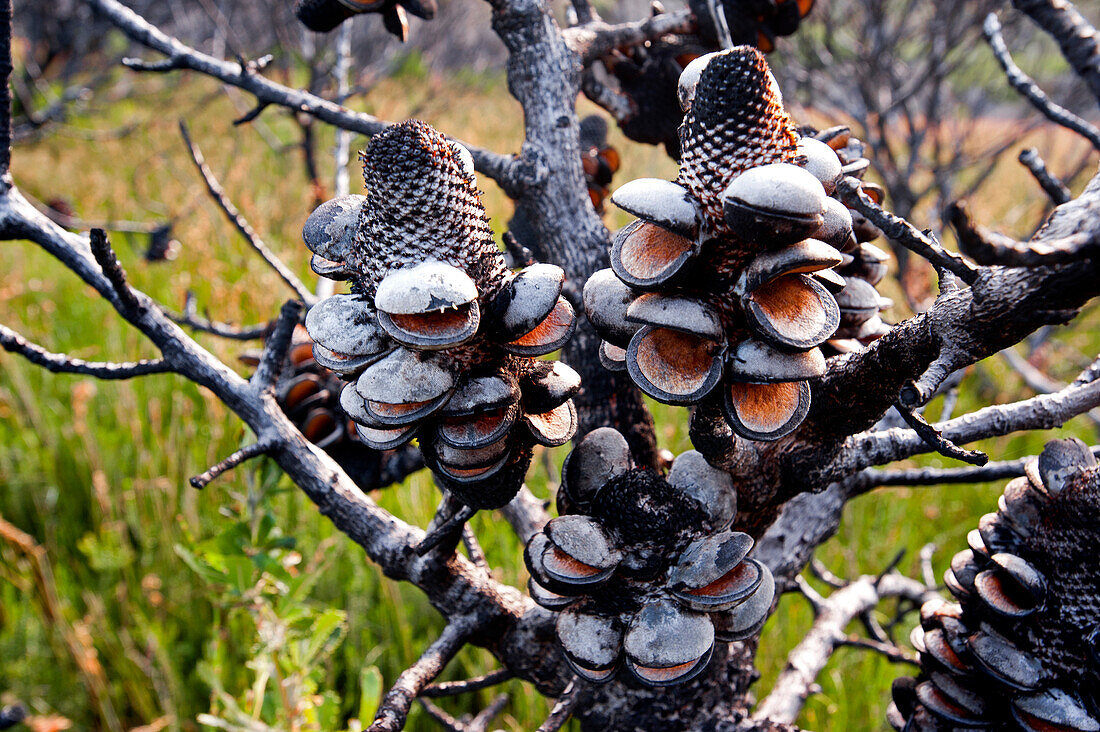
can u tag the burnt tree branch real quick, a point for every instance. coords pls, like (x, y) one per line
(60, 363)
(1028, 89)
(235, 217)
(1076, 38)
(502, 168)
(797, 681)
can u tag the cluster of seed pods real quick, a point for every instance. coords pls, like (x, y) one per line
(1021, 647)
(644, 571)
(438, 339)
(324, 15)
(599, 159)
(864, 265)
(750, 21)
(309, 394)
(723, 287)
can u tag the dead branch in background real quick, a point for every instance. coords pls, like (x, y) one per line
(1029, 90)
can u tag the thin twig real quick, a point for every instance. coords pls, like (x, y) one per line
(935, 438)
(823, 573)
(1027, 88)
(190, 317)
(563, 708)
(60, 363)
(473, 548)
(256, 449)
(904, 233)
(1089, 374)
(276, 347)
(395, 705)
(218, 194)
(893, 653)
(927, 574)
(512, 174)
(1055, 189)
(798, 678)
(466, 686)
(593, 39)
(108, 263)
(1037, 380)
(448, 530)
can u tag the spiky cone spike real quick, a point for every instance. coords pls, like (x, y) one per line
(736, 121)
(721, 289)
(1020, 649)
(438, 339)
(647, 577)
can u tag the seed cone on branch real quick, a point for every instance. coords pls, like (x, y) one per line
(722, 288)
(438, 338)
(647, 75)
(324, 15)
(1021, 647)
(643, 572)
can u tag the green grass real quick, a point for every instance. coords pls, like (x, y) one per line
(96, 473)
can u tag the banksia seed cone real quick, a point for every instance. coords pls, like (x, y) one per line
(324, 15)
(751, 22)
(725, 278)
(1021, 648)
(648, 574)
(437, 334)
(864, 263)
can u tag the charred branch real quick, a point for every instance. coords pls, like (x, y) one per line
(798, 680)
(190, 317)
(593, 38)
(395, 705)
(1074, 35)
(904, 233)
(246, 453)
(273, 358)
(990, 248)
(466, 686)
(1055, 189)
(501, 168)
(935, 439)
(1027, 88)
(217, 193)
(60, 363)
(563, 708)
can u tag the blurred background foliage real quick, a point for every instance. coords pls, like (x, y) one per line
(130, 601)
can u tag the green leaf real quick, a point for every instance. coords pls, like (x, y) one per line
(370, 693)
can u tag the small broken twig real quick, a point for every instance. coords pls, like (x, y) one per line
(218, 194)
(261, 447)
(919, 242)
(935, 438)
(1055, 188)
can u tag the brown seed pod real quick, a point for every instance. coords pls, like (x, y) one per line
(1019, 650)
